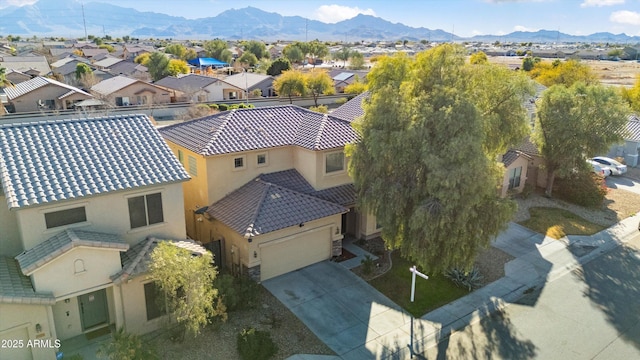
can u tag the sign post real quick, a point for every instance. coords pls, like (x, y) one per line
(414, 272)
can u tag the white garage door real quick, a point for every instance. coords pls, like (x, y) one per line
(279, 257)
(14, 345)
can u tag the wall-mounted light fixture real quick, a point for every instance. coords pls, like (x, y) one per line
(38, 328)
(337, 230)
(255, 254)
(250, 239)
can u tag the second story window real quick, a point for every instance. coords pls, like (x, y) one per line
(261, 159)
(193, 166)
(145, 210)
(334, 162)
(238, 163)
(65, 217)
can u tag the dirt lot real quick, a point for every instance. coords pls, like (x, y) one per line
(618, 73)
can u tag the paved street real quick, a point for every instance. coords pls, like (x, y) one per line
(624, 183)
(592, 312)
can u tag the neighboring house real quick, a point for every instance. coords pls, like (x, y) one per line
(90, 53)
(85, 202)
(250, 82)
(198, 88)
(32, 65)
(130, 52)
(42, 93)
(107, 62)
(68, 72)
(516, 164)
(535, 174)
(16, 76)
(124, 91)
(630, 150)
(269, 187)
(342, 78)
(129, 69)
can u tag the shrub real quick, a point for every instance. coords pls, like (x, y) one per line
(467, 279)
(527, 190)
(223, 107)
(237, 293)
(320, 109)
(367, 265)
(341, 100)
(214, 107)
(255, 345)
(581, 188)
(125, 346)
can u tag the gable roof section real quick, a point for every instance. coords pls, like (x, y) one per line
(126, 68)
(527, 147)
(246, 79)
(28, 86)
(186, 83)
(344, 195)
(26, 63)
(352, 109)
(111, 85)
(135, 261)
(260, 207)
(633, 128)
(512, 155)
(16, 288)
(60, 244)
(107, 62)
(53, 160)
(261, 128)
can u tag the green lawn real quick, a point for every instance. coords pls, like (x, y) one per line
(430, 294)
(557, 223)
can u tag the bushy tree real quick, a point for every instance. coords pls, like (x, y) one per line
(356, 87)
(126, 346)
(293, 53)
(158, 65)
(257, 48)
(566, 73)
(247, 59)
(186, 281)
(142, 59)
(357, 61)
(319, 83)
(178, 67)
(343, 54)
(82, 70)
(177, 50)
(577, 122)
(278, 66)
(478, 58)
(218, 49)
(425, 163)
(632, 96)
(291, 83)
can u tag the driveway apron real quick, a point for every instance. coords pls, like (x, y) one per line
(345, 312)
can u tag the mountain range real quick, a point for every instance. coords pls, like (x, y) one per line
(68, 18)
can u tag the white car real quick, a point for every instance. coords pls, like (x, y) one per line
(616, 167)
(599, 168)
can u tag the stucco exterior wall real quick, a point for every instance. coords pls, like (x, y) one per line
(154, 94)
(324, 180)
(519, 162)
(368, 226)
(134, 307)
(29, 102)
(108, 213)
(10, 244)
(19, 319)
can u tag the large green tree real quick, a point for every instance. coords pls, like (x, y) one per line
(178, 50)
(257, 48)
(577, 122)
(83, 70)
(293, 53)
(247, 59)
(158, 66)
(178, 67)
(291, 83)
(319, 83)
(278, 66)
(632, 95)
(425, 164)
(218, 49)
(357, 61)
(187, 284)
(343, 54)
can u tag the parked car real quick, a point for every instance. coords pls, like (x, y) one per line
(599, 168)
(616, 167)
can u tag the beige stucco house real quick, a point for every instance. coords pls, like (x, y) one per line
(43, 94)
(125, 91)
(270, 190)
(84, 203)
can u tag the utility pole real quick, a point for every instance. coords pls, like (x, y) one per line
(84, 21)
(306, 30)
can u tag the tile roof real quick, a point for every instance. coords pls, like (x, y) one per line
(28, 86)
(633, 128)
(352, 109)
(58, 245)
(135, 261)
(26, 63)
(16, 288)
(107, 62)
(52, 160)
(186, 83)
(126, 68)
(246, 79)
(344, 195)
(527, 147)
(261, 128)
(260, 207)
(111, 85)
(510, 156)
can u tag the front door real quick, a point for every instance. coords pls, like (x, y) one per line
(93, 309)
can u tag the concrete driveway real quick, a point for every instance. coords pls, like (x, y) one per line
(624, 183)
(350, 316)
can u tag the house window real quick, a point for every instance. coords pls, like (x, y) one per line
(145, 210)
(334, 162)
(514, 177)
(65, 217)
(180, 157)
(142, 99)
(261, 159)
(47, 104)
(202, 98)
(153, 301)
(122, 101)
(238, 163)
(193, 166)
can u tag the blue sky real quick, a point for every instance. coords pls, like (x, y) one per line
(463, 17)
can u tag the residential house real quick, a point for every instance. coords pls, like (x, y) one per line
(198, 88)
(130, 52)
(342, 78)
(250, 82)
(90, 53)
(67, 71)
(32, 65)
(630, 149)
(124, 91)
(129, 69)
(16, 76)
(42, 93)
(269, 187)
(85, 203)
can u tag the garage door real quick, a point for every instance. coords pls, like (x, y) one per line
(14, 345)
(279, 257)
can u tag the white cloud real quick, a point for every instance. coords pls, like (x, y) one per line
(524, 28)
(335, 13)
(625, 17)
(7, 3)
(599, 3)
